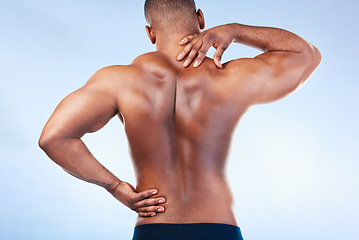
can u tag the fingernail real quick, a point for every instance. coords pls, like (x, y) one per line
(154, 192)
(182, 41)
(196, 64)
(180, 56)
(186, 62)
(161, 201)
(160, 209)
(153, 214)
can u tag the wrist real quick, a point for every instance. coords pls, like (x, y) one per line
(236, 30)
(112, 189)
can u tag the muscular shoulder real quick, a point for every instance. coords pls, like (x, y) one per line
(121, 76)
(112, 74)
(243, 67)
(109, 82)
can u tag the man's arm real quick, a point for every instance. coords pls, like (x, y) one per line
(86, 110)
(286, 63)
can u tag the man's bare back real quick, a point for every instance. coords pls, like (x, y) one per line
(178, 119)
(179, 128)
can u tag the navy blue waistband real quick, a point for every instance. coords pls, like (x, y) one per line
(188, 231)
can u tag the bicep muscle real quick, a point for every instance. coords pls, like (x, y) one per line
(269, 76)
(85, 110)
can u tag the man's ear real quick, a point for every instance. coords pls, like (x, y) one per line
(151, 34)
(200, 18)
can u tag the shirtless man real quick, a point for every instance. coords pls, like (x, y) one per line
(179, 110)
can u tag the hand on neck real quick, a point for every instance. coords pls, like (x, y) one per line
(168, 43)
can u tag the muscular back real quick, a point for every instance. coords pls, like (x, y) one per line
(179, 123)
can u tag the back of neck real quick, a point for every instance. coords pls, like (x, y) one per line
(168, 43)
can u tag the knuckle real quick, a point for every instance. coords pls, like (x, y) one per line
(133, 204)
(202, 51)
(143, 195)
(132, 200)
(190, 57)
(209, 37)
(195, 48)
(193, 54)
(201, 56)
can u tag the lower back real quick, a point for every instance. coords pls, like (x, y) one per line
(203, 198)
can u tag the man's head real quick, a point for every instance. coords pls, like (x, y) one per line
(173, 16)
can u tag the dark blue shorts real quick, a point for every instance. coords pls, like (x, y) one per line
(189, 231)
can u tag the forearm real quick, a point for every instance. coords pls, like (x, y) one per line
(75, 158)
(268, 39)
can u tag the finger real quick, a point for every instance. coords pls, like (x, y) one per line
(149, 203)
(145, 194)
(193, 54)
(218, 55)
(153, 209)
(186, 50)
(186, 39)
(202, 53)
(151, 214)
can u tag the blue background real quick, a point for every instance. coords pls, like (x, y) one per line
(293, 165)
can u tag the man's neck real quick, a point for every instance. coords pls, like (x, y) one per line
(168, 44)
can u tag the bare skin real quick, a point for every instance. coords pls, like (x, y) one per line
(179, 119)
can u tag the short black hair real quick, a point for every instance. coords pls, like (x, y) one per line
(170, 12)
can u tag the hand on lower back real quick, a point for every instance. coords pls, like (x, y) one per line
(139, 202)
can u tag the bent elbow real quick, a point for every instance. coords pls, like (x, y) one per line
(314, 57)
(310, 61)
(43, 142)
(46, 140)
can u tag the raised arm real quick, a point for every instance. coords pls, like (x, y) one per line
(86, 110)
(286, 63)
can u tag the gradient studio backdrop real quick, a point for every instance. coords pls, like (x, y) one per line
(293, 164)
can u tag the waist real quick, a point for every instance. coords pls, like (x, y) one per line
(204, 201)
(187, 231)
